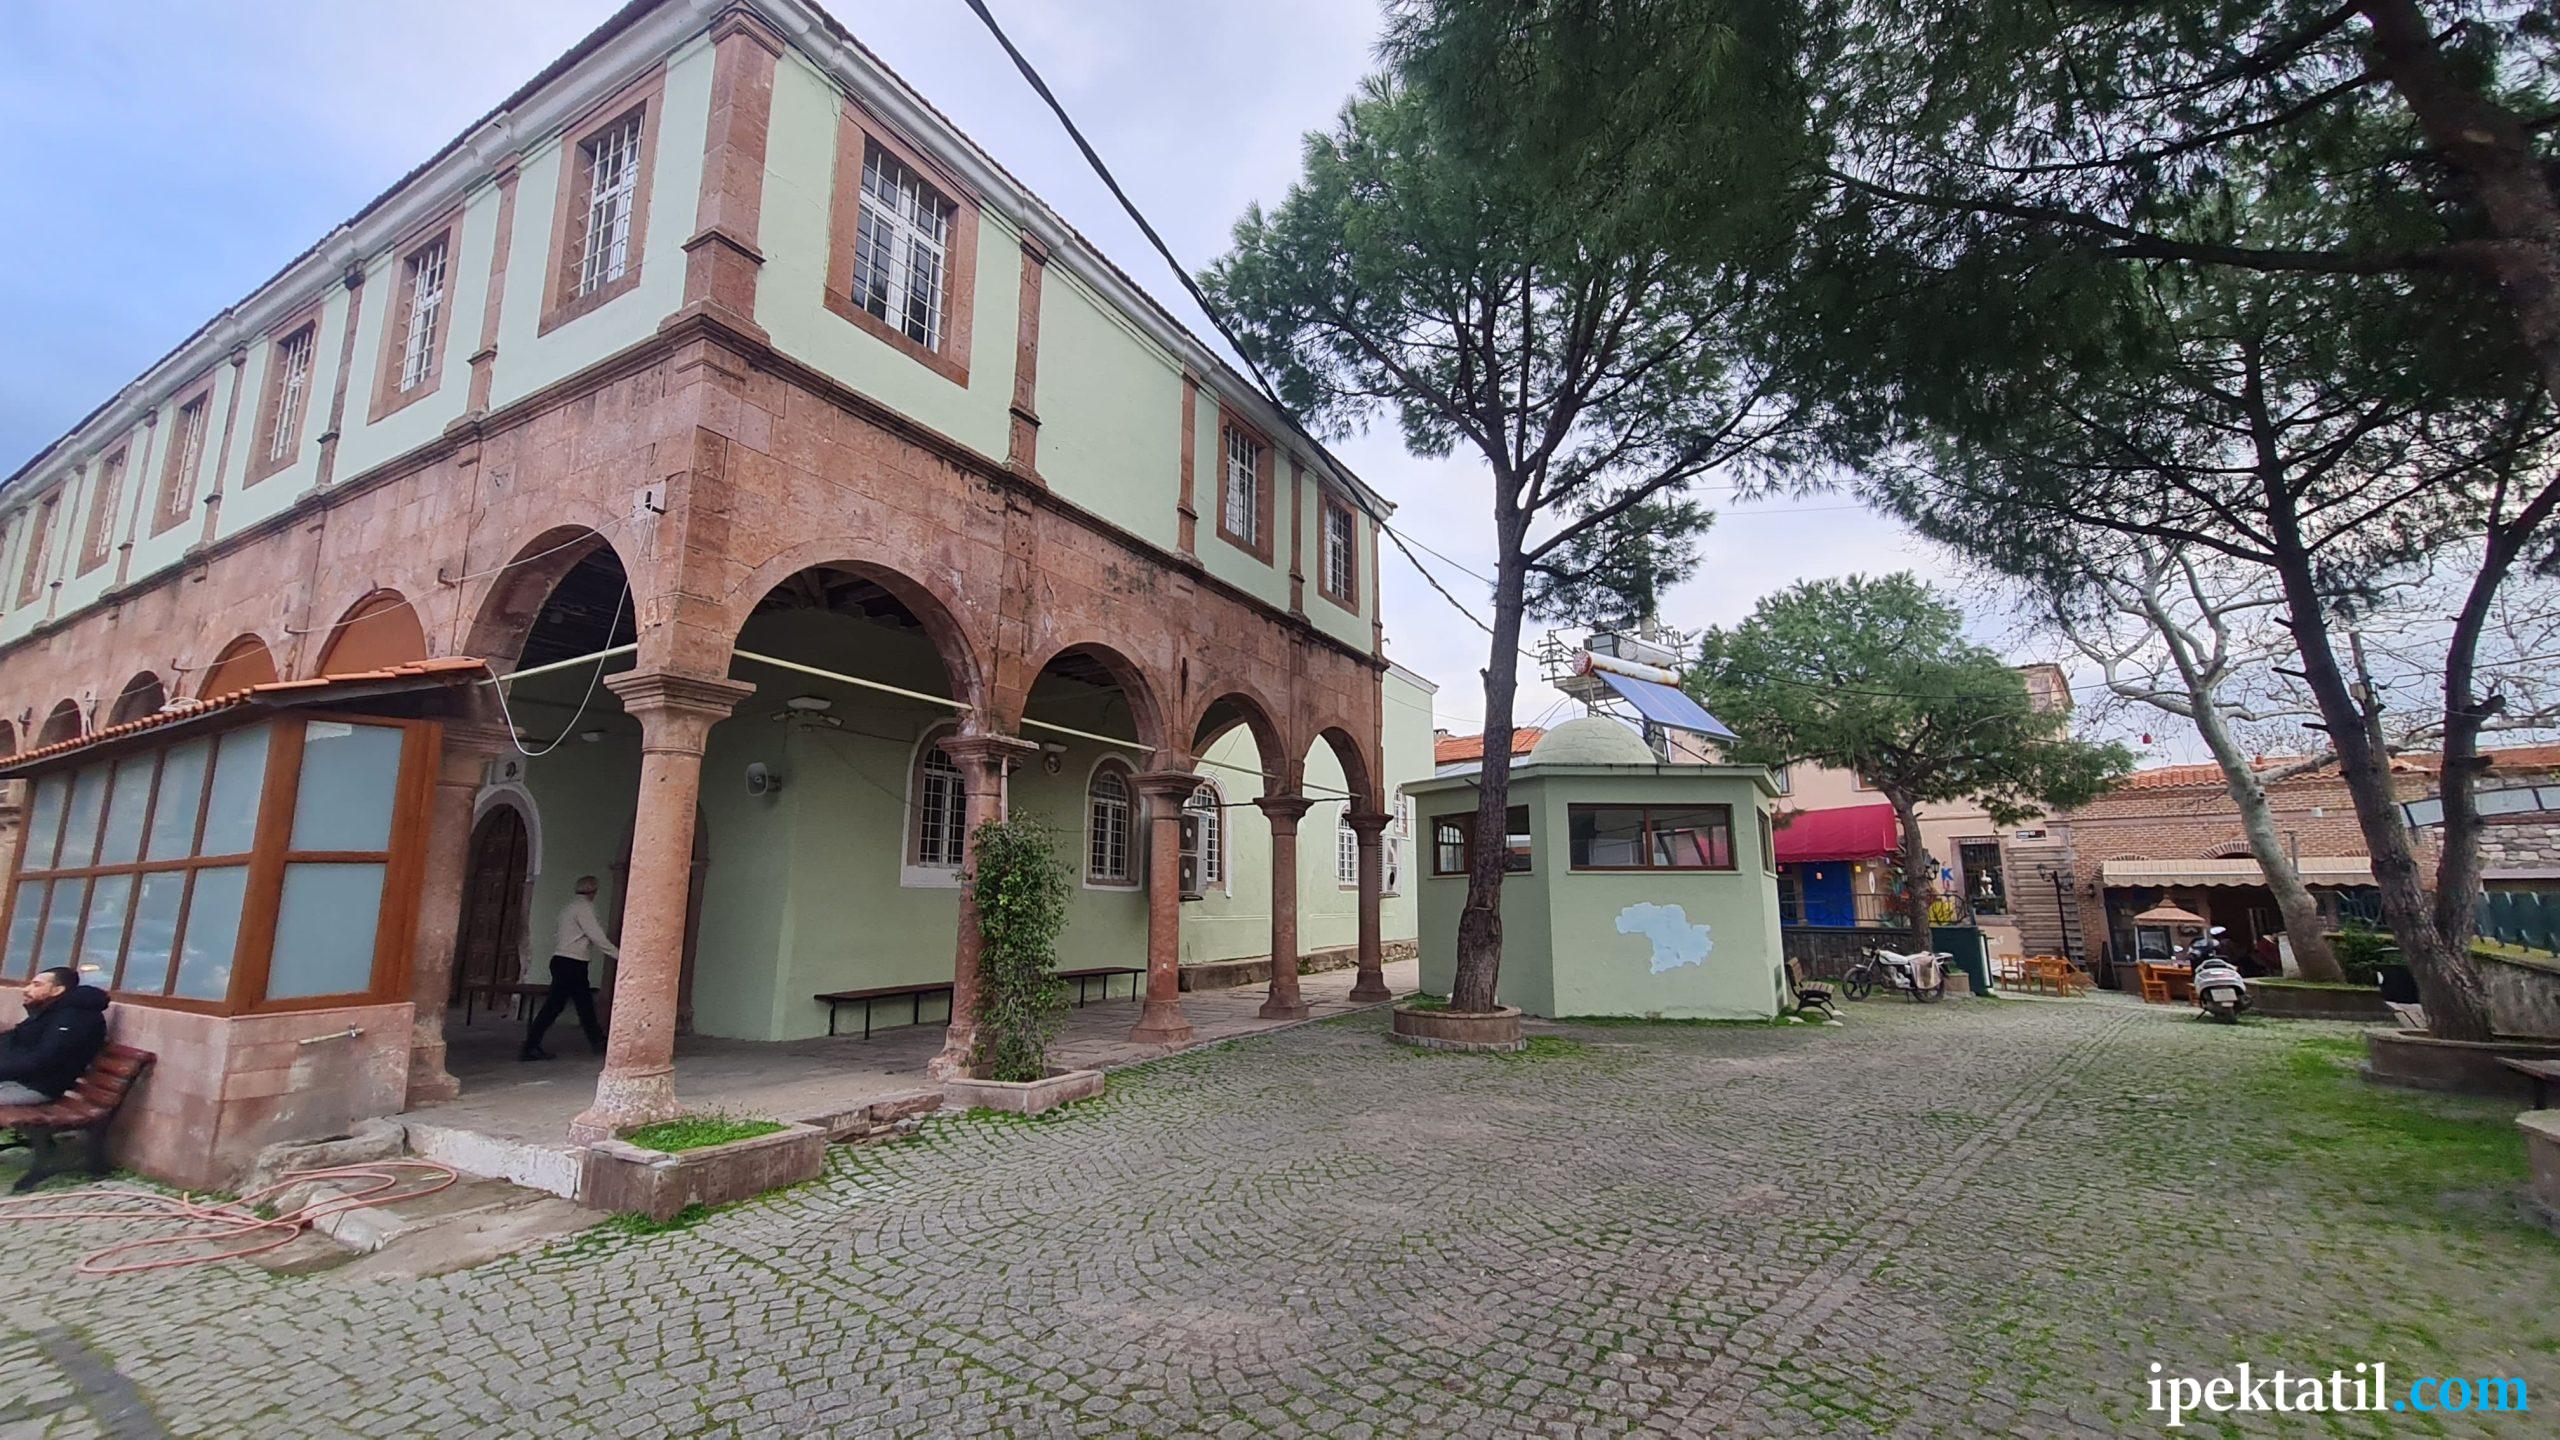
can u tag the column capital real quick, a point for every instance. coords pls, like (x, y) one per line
(1284, 809)
(988, 749)
(1368, 824)
(1175, 785)
(648, 691)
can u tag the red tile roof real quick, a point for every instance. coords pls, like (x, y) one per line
(2514, 759)
(1459, 749)
(316, 690)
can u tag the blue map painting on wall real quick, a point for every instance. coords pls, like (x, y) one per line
(1676, 942)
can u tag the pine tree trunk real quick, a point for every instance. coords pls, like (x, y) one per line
(1918, 885)
(1478, 982)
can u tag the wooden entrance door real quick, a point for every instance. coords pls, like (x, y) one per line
(486, 946)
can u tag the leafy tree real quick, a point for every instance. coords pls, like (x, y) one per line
(1488, 314)
(1875, 676)
(1021, 888)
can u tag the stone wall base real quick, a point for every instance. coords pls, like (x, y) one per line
(624, 1178)
(2542, 1151)
(2469, 1067)
(1486, 1032)
(1256, 969)
(2362, 1003)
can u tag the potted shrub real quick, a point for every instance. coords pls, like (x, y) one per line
(1020, 887)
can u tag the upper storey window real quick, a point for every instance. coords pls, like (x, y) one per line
(186, 452)
(899, 252)
(1244, 487)
(612, 164)
(103, 497)
(600, 223)
(287, 401)
(422, 283)
(1339, 576)
(902, 247)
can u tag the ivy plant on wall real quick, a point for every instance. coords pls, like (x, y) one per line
(1021, 887)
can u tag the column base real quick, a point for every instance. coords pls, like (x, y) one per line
(1161, 1023)
(625, 1099)
(1276, 1008)
(1372, 985)
(429, 1082)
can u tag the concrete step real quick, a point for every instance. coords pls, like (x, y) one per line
(553, 1169)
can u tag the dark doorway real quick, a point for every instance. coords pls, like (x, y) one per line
(487, 950)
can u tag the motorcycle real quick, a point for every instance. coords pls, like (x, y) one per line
(1922, 976)
(2221, 991)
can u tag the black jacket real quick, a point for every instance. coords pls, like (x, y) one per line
(48, 1051)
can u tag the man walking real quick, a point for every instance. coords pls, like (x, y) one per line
(573, 944)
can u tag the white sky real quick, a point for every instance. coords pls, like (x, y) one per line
(174, 155)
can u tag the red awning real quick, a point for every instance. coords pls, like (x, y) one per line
(1858, 832)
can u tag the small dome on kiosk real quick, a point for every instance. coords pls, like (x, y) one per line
(1592, 740)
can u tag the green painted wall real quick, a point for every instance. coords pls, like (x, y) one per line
(1580, 942)
(1110, 403)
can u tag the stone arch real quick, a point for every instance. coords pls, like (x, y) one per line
(936, 611)
(376, 632)
(1359, 771)
(2236, 848)
(142, 696)
(62, 722)
(517, 594)
(8, 737)
(1282, 771)
(1146, 710)
(246, 661)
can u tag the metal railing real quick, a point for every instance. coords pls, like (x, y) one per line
(2529, 919)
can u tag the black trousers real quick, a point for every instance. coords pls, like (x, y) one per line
(569, 986)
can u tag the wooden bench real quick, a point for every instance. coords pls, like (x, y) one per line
(836, 1000)
(1104, 973)
(1810, 994)
(86, 1108)
(2545, 1075)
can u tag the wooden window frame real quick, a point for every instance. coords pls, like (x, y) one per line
(1205, 841)
(1465, 820)
(262, 437)
(926, 749)
(857, 132)
(561, 302)
(177, 492)
(1732, 861)
(1768, 842)
(1093, 879)
(395, 922)
(388, 398)
(31, 577)
(1328, 505)
(107, 477)
(1265, 476)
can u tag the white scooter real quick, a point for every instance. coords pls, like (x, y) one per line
(2221, 991)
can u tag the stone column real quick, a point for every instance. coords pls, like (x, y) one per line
(982, 760)
(460, 768)
(1370, 827)
(1284, 812)
(1161, 1022)
(676, 713)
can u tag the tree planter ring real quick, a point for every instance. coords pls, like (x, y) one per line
(1480, 1032)
(2306, 1000)
(2469, 1067)
(1025, 1097)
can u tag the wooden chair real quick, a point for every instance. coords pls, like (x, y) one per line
(2064, 977)
(2154, 980)
(2013, 972)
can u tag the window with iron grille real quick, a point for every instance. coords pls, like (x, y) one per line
(1207, 836)
(899, 244)
(102, 512)
(1346, 850)
(941, 809)
(31, 579)
(292, 393)
(1108, 816)
(1341, 552)
(186, 449)
(612, 161)
(1399, 839)
(422, 283)
(1243, 507)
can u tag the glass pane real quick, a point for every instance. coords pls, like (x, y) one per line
(173, 820)
(1516, 820)
(1696, 837)
(102, 939)
(324, 931)
(62, 922)
(126, 800)
(155, 925)
(44, 821)
(1610, 836)
(348, 772)
(80, 836)
(231, 811)
(26, 916)
(213, 928)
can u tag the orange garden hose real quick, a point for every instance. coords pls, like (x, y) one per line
(222, 1229)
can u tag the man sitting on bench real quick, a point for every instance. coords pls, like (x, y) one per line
(66, 1027)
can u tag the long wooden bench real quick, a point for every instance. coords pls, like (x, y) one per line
(2545, 1075)
(836, 1000)
(86, 1109)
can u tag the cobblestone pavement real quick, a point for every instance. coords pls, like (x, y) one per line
(1960, 1219)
